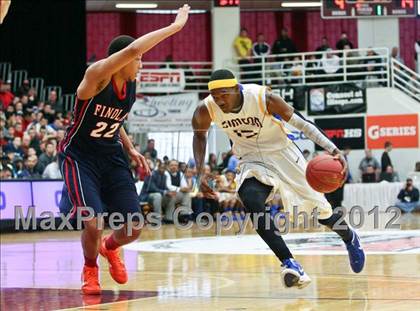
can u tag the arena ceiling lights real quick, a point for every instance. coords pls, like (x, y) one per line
(136, 5)
(301, 4)
(246, 5)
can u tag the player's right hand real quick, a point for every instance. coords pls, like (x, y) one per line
(205, 189)
(181, 17)
(140, 160)
(339, 157)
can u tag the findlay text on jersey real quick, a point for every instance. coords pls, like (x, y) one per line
(109, 112)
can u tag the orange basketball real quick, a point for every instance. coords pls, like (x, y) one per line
(323, 173)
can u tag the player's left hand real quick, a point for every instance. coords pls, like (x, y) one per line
(140, 160)
(339, 157)
(181, 17)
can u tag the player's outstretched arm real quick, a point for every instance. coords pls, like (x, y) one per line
(277, 105)
(201, 122)
(100, 73)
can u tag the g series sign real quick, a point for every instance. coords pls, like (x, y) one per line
(401, 130)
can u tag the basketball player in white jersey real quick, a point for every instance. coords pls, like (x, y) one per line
(250, 115)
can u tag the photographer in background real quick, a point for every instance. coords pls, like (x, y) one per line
(409, 197)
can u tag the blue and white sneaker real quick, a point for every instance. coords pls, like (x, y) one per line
(356, 253)
(293, 274)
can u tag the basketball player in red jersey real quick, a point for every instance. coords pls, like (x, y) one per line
(91, 156)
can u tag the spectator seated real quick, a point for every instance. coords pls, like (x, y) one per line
(408, 197)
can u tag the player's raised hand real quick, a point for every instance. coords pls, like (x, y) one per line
(140, 160)
(181, 17)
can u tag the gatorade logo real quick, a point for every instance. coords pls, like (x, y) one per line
(401, 130)
(376, 132)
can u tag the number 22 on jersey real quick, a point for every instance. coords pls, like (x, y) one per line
(102, 130)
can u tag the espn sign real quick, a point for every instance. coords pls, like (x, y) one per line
(161, 81)
(401, 130)
(343, 132)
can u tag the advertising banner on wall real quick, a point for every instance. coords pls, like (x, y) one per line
(172, 113)
(47, 196)
(336, 99)
(14, 193)
(161, 81)
(344, 131)
(297, 136)
(294, 96)
(401, 130)
(43, 196)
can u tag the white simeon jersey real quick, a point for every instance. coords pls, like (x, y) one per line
(265, 152)
(252, 129)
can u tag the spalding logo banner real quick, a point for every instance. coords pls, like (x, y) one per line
(401, 130)
(163, 113)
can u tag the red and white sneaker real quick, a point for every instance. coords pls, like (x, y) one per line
(116, 266)
(90, 281)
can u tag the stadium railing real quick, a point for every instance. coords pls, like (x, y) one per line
(38, 84)
(309, 68)
(295, 69)
(50, 88)
(5, 69)
(68, 101)
(405, 79)
(17, 77)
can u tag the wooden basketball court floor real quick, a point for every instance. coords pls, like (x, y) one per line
(41, 271)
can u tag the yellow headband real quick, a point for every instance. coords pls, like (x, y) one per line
(217, 84)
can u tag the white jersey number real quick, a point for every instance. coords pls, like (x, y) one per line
(101, 128)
